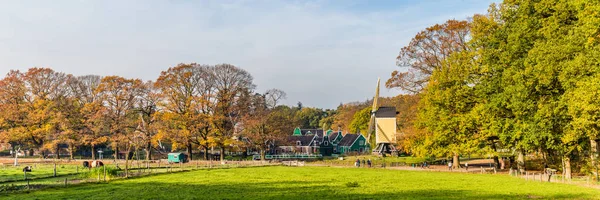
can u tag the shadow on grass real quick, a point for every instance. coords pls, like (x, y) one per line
(271, 190)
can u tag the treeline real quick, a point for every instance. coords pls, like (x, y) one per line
(189, 106)
(521, 79)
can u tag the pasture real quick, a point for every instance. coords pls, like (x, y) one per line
(9, 173)
(315, 183)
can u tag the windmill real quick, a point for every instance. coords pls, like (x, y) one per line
(383, 125)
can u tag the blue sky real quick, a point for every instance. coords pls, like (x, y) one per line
(321, 53)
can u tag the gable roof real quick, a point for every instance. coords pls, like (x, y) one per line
(333, 136)
(348, 139)
(311, 131)
(386, 112)
(305, 140)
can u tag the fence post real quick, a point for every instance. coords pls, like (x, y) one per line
(482, 170)
(526, 176)
(104, 169)
(54, 169)
(65, 182)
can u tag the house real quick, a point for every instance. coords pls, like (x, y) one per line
(353, 143)
(316, 141)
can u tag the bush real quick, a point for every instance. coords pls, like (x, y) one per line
(111, 172)
(352, 184)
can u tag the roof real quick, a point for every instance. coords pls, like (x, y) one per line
(348, 139)
(312, 131)
(386, 112)
(305, 140)
(333, 136)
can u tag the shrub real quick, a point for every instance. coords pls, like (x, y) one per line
(352, 184)
(111, 172)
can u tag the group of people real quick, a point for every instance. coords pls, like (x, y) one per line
(364, 163)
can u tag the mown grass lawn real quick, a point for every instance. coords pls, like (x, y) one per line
(316, 183)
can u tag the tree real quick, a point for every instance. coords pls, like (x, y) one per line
(119, 96)
(361, 121)
(265, 126)
(147, 108)
(187, 93)
(426, 52)
(13, 115)
(233, 88)
(273, 96)
(447, 109)
(46, 91)
(93, 130)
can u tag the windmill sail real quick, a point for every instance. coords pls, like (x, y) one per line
(373, 110)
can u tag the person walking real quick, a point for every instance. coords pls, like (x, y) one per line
(369, 163)
(467, 166)
(450, 166)
(364, 163)
(357, 163)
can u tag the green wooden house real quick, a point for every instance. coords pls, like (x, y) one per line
(353, 143)
(326, 143)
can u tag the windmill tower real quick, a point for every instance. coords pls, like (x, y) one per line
(383, 126)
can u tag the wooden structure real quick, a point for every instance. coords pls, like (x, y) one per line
(383, 126)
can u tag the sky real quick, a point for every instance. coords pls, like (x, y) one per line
(321, 53)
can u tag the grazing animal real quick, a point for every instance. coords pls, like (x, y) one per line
(96, 163)
(86, 164)
(27, 169)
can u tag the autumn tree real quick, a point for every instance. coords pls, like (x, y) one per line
(13, 115)
(265, 124)
(187, 98)
(147, 108)
(426, 52)
(93, 130)
(119, 96)
(233, 90)
(46, 91)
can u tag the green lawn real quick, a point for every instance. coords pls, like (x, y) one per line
(316, 183)
(10, 173)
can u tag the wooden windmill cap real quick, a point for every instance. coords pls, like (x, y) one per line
(386, 112)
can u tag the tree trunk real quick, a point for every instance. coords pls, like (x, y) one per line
(205, 152)
(189, 150)
(16, 155)
(148, 151)
(93, 152)
(497, 162)
(116, 152)
(262, 155)
(57, 152)
(455, 161)
(521, 161)
(222, 153)
(567, 167)
(127, 163)
(71, 151)
(594, 156)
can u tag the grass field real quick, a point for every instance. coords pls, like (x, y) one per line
(316, 183)
(10, 173)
